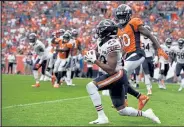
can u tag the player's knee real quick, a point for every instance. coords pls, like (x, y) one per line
(91, 87)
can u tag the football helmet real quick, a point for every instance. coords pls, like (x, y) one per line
(123, 14)
(74, 33)
(106, 28)
(66, 37)
(32, 38)
(168, 42)
(62, 31)
(181, 43)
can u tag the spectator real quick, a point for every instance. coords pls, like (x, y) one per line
(11, 61)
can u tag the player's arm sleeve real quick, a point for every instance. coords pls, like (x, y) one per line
(148, 34)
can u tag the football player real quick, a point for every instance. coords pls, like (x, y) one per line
(179, 52)
(148, 66)
(39, 49)
(63, 60)
(164, 64)
(115, 80)
(129, 32)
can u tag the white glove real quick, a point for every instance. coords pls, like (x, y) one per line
(91, 56)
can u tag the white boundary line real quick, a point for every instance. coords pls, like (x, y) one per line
(43, 102)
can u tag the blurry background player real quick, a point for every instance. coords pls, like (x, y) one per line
(147, 65)
(63, 52)
(164, 64)
(129, 31)
(179, 53)
(42, 56)
(115, 80)
(76, 49)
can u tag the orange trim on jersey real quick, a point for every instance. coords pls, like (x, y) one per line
(110, 79)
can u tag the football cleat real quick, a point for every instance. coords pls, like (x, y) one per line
(36, 85)
(149, 114)
(149, 92)
(143, 99)
(102, 120)
(56, 85)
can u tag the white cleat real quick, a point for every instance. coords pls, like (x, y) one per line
(152, 116)
(102, 120)
(180, 89)
(149, 92)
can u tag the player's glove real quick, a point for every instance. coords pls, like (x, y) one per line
(162, 53)
(91, 56)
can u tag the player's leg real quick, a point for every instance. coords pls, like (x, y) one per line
(101, 83)
(163, 74)
(48, 71)
(147, 77)
(55, 72)
(178, 71)
(35, 74)
(70, 71)
(117, 93)
(132, 62)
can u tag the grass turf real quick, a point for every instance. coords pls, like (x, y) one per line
(23, 105)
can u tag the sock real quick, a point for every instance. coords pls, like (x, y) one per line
(130, 111)
(133, 92)
(35, 74)
(96, 99)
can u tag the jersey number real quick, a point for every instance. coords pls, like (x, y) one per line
(126, 40)
(146, 46)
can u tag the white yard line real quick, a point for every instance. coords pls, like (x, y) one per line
(43, 102)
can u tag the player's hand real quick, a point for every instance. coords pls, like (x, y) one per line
(38, 65)
(91, 56)
(163, 54)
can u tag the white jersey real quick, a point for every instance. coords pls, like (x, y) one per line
(166, 50)
(147, 46)
(179, 54)
(112, 45)
(39, 48)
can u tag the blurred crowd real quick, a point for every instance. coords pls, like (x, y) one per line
(44, 17)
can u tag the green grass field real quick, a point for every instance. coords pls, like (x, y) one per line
(23, 105)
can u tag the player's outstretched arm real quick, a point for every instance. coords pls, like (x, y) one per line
(111, 63)
(148, 34)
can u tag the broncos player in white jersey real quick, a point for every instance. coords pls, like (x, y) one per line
(164, 64)
(39, 49)
(179, 53)
(116, 79)
(148, 66)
